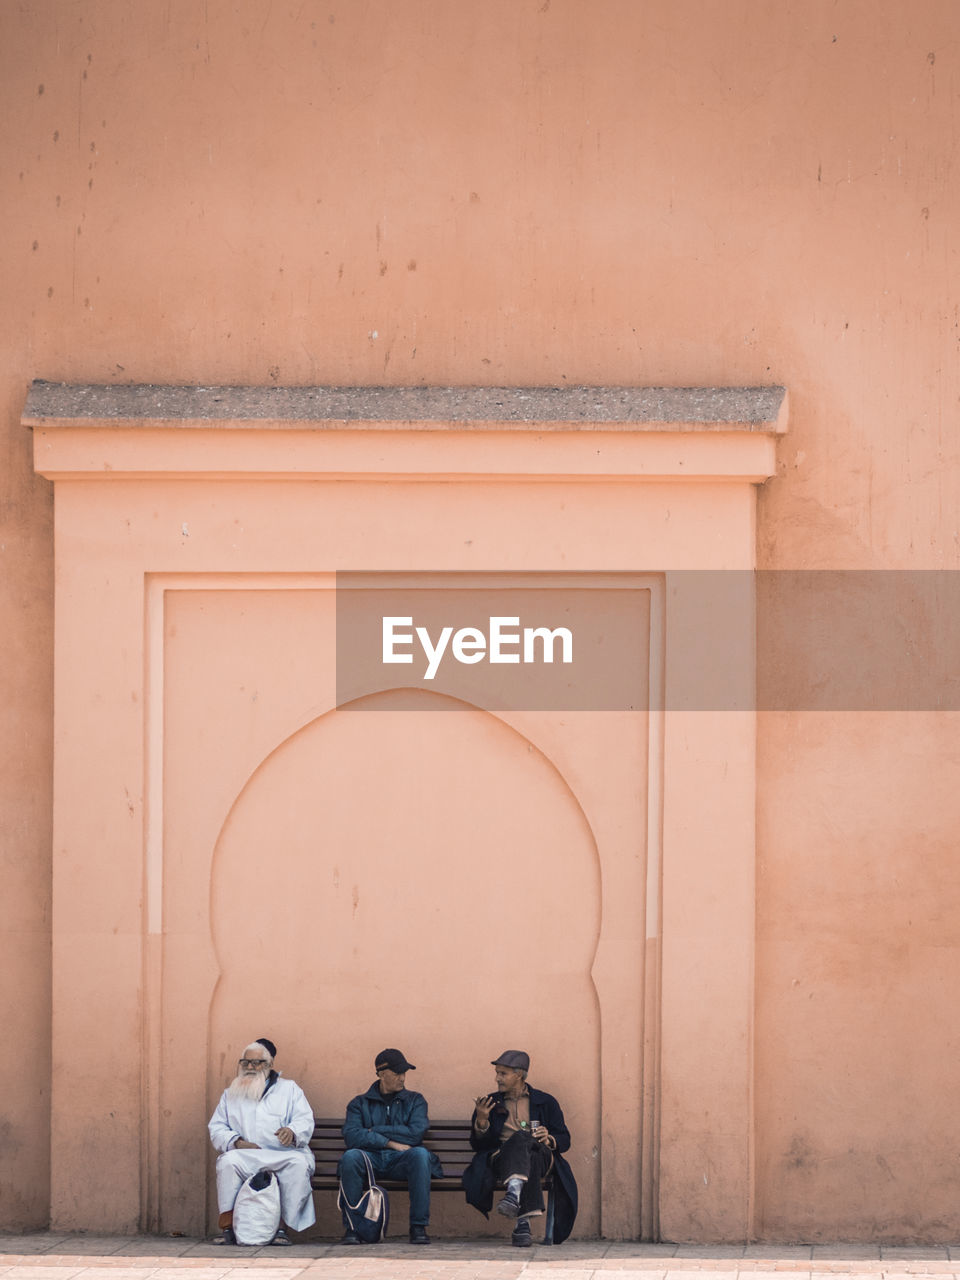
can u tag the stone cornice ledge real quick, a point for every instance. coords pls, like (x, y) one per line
(429, 432)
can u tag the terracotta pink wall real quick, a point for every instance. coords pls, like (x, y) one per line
(547, 192)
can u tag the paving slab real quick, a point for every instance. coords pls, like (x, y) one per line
(90, 1246)
(847, 1252)
(712, 1251)
(42, 1271)
(624, 1269)
(913, 1253)
(897, 1273)
(101, 1272)
(779, 1252)
(35, 1242)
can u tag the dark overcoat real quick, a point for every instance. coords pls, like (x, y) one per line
(478, 1179)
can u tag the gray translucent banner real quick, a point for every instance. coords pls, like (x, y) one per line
(858, 640)
(500, 642)
(707, 640)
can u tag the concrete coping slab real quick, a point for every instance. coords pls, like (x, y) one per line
(542, 409)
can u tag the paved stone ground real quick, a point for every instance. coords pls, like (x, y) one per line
(49, 1256)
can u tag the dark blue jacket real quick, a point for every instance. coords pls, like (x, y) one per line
(374, 1120)
(478, 1180)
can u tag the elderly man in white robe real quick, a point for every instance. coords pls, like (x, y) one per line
(264, 1122)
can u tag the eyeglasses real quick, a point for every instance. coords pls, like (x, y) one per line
(252, 1062)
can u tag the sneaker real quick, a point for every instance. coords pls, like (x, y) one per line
(281, 1238)
(418, 1234)
(522, 1236)
(509, 1206)
(350, 1237)
(227, 1238)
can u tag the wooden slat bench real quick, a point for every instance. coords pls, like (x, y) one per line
(450, 1139)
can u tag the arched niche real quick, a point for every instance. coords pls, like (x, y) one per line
(391, 878)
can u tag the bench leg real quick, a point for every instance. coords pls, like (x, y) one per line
(548, 1229)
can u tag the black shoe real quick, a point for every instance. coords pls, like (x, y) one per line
(281, 1238)
(521, 1236)
(509, 1206)
(227, 1238)
(418, 1234)
(350, 1237)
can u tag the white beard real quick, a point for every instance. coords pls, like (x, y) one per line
(248, 1088)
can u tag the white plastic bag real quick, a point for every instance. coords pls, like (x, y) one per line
(256, 1211)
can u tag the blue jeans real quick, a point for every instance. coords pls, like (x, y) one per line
(413, 1166)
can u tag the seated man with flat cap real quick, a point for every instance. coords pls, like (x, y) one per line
(389, 1123)
(264, 1122)
(519, 1135)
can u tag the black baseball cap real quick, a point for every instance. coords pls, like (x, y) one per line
(393, 1059)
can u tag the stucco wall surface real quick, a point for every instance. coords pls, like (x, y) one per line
(542, 192)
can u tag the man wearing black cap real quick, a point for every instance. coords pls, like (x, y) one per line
(389, 1122)
(519, 1135)
(264, 1122)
